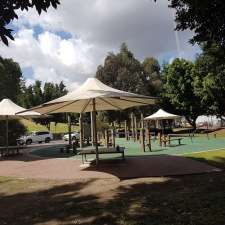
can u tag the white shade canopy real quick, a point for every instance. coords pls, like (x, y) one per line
(106, 98)
(162, 115)
(10, 110)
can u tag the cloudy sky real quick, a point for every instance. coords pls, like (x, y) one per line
(69, 43)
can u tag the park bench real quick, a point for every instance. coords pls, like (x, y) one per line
(86, 152)
(11, 150)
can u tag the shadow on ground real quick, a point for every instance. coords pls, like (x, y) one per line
(150, 166)
(197, 200)
(217, 161)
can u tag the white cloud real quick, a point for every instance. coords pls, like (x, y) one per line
(97, 27)
(52, 58)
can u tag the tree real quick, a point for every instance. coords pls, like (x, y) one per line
(10, 87)
(152, 72)
(10, 79)
(123, 71)
(178, 90)
(210, 81)
(35, 94)
(9, 8)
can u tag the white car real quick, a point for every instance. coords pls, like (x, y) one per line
(36, 137)
(74, 136)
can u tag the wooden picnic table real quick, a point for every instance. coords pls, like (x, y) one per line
(92, 151)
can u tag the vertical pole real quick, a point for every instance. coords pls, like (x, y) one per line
(107, 138)
(132, 125)
(69, 129)
(81, 130)
(135, 128)
(142, 133)
(92, 130)
(125, 129)
(94, 125)
(113, 138)
(7, 134)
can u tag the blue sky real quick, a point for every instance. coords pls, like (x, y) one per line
(69, 43)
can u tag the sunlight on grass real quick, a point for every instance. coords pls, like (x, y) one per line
(215, 158)
(59, 128)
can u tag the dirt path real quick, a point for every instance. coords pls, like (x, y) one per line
(28, 166)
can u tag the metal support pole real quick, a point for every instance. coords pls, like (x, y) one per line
(92, 131)
(94, 125)
(125, 129)
(7, 135)
(113, 138)
(69, 129)
(81, 130)
(135, 128)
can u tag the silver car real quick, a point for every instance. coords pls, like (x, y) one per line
(74, 136)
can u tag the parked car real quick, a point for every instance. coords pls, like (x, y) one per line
(74, 136)
(36, 137)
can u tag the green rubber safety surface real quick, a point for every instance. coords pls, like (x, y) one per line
(188, 145)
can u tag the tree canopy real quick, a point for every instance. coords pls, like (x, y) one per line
(10, 79)
(178, 90)
(210, 81)
(205, 18)
(9, 8)
(123, 71)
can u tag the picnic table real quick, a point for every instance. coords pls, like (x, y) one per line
(92, 151)
(169, 140)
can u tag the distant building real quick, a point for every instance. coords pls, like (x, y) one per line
(210, 122)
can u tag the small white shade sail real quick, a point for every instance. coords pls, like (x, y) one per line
(9, 110)
(162, 115)
(12, 111)
(106, 98)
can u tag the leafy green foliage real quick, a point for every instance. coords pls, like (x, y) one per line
(16, 129)
(210, 80)
(34, 95)
(10, 79)
(9, 8)
(10, 87)
(205, 18)
(152, 72)
(123, 71)
(178, 90)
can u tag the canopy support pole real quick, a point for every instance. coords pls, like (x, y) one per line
(142, 134)
(7, 134)
(125, 129)
(135, 129)
(92, 131)
(69, 129)
(94, 125)
(81, 130)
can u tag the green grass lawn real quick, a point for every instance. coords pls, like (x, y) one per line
(59, 128)
(215, 158)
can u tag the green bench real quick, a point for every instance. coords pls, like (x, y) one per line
(85, 152)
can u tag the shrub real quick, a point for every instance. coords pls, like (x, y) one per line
(16, 129)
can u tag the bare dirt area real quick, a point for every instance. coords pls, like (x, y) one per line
(190, 199)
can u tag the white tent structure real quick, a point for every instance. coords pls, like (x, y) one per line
(162, 115)
(94, 96)
(9, 110)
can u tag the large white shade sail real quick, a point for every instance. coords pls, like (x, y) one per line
(106, 98)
